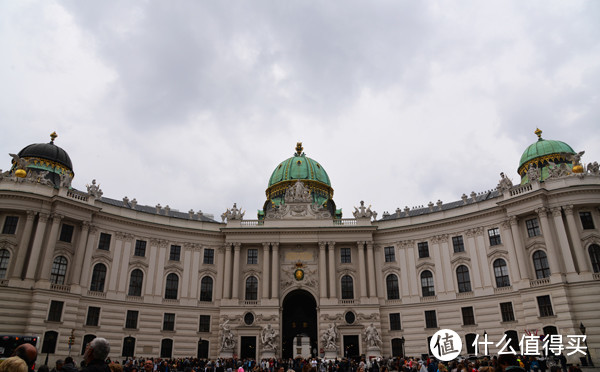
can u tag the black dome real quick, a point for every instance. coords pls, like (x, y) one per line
(48, 151)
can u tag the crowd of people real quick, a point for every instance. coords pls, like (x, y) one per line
(95, 359)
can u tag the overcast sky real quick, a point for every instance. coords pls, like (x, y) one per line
(194, 103)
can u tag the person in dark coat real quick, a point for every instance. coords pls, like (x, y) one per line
(95, 355)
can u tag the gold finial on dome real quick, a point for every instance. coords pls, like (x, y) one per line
(299, 148)
(53, 136)
(539, 133)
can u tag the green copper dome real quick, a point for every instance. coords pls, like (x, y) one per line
(299, 168)
(540, 153)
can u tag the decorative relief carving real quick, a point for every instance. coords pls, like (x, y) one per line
(407, 243)
(568, 210)
(265, 318)
(329, 317)
(372, 316)
(31, 215)
(514, 221)
(506, 224)
(474, 232)
(438, 239)
(556, 212)
(309, 279)
(44, 217)
(119, 235)
(298, 205)
(542, 212)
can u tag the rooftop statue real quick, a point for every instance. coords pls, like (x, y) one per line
(593, 168)
(533, 173)
(364, 212)
(20, 162)
(505, 183)
(298, 193)
(94, 189)
(233, 214)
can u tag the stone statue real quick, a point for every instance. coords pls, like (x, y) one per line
(20, 162)
(364, 212)
(575, 158)
(505, 183)
(65, 180)
(593, 168)
(298, 193)
(227, 338)
(268, 337)
(533, 173)
(330, 338)
(233, 214)
(372, 336)
(94, 189)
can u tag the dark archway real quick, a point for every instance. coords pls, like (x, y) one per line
(299, 316)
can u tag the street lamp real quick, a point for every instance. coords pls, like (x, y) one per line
(402, 340)
(589, 357)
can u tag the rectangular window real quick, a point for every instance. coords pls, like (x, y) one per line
(430, 319)
(175, 254)
(131, 320)
(204, 323)
(66, 233)
(458, 244)
(468, 315)
(586, 220)
(10, 225)
(140, 248)
(545, 306)
(390, 254)
(169, 322)
(93, 316)
(533, 228)
(494, 235)
(55, 313)
(395, 324)
(423, 249)
(104, 242)
(209, 256)
(345, 255)
(506, 309)
(252, 256)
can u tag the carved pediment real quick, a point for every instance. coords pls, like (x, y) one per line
(425, 266)
(8, 244)
(100, 253)
(137, 260)
(298, 206)
(497, 254)
(174, 266)
(460, 260)
(208, 270)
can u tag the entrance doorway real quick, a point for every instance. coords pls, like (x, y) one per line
(299, 316)
(351, 346)
(248, 347)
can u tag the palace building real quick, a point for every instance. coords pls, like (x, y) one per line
(300, 278)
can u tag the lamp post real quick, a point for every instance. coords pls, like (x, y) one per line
(589, 357)
(402, 340)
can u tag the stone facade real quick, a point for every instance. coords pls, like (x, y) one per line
(519, 259)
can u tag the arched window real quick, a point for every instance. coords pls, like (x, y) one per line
(501, 273)
(594, 251)
(172, 287)
(463, 279)
(166, 348)
(206, 288)
(427, 283)
(540, 262)
(347, 287)
(59, 270)
(136, 279)
(251, 288)
(4, 257)
(49, 344)
(98, 278)
(391, 282)
(128, 347)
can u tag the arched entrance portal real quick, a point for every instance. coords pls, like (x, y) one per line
(299, 316)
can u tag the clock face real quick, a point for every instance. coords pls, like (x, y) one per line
(299, 274)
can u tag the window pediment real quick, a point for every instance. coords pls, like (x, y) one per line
(499, 253)
(425, 266)
(460, 260)
(101, 254)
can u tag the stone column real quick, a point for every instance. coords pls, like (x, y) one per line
(124, 269)
(446, 260)
(440, 286)
(152, 258)
(520, 251)
(227, 272)
(409, 248)
(235, 292)
(361, 269)
(19, 262)
(275, 269)
(80, 249)
(565, 248)
(219, 264)
(371, 270)
(552, 253)
(36, 248)
(379, 256)
(331, 252)
(486, 273)
(160, 269)
(47, 260)
(580, 253)
(87, 258)
(471, 250)
(507, 237)
(403, 263)
(113, 272)
(265, 274)
(322, 270)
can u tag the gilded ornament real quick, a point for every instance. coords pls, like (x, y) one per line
(20, 173)
(299, 274)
